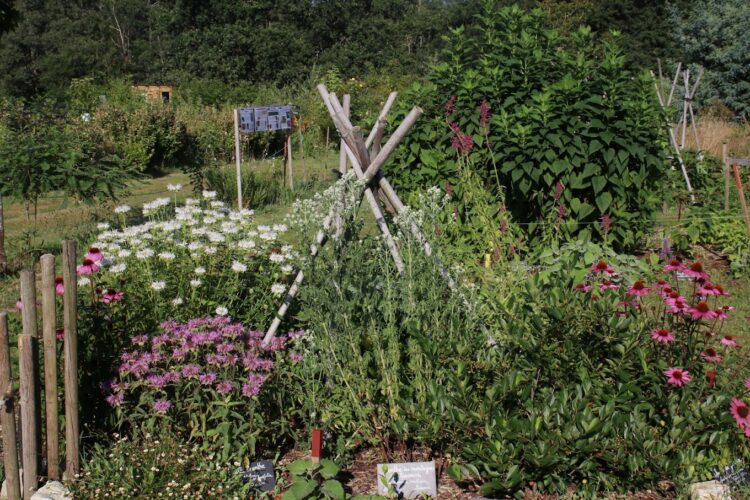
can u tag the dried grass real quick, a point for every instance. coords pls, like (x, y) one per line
(712, 133)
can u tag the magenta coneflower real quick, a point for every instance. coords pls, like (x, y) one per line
(677, 376)
(710, 355)
(702, 310)
(662, 335)
(582, 287)
(88, 267)
(708, 289)
(740, 412)
(721, 291)
(696, 271)
(721, 313)
(747, 384)
(674, 265)
(162, 405)
(602, 267)
(60, 334)
(638, 289)
(661, 284)
(112, 296)
(678, 306)
(59, 286)
(94, 254)
(728, 341)
(608, 285)
(711, 375)
(19, 305)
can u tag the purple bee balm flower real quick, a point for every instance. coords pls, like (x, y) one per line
(298, 333)
(484, 113)
(191, 371)
(224, 387)
(115, 399)
(250, 390)
(162, 405)
(225, 347)
(156, 381)
(172, 376)
(295, 356)
(207, 378)
(139, 339)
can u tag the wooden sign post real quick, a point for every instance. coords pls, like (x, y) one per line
(70, 348)
(741, 192)
(238, 157)
(7, 414)
(316, 450)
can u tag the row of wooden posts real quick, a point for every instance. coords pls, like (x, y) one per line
(29, 392)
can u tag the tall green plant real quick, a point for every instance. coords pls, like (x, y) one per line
(553, 115)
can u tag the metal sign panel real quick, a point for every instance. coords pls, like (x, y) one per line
(265, 119)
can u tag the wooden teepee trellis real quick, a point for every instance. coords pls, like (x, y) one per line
(366, 157)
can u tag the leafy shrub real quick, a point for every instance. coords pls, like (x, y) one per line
(535, 111)
(258, 188)
(203, 379)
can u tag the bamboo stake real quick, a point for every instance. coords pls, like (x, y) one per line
(70, 315)
(289, 170)
(743, 201)
(342, 153)
(381, 118)
(7, 415)
(3, 258)
(30, 448)
(49, 327)
(302, 148)
(725, 169)
(238, 157)
(674, 85)
(685, 101)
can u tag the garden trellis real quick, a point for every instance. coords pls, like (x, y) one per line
(366, 157)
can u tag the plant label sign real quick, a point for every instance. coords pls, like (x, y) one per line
(407, 480)
(732, 475)
(261, 474)
(265, 119)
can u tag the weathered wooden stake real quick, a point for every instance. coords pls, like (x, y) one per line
(29, 410)
(289, 169)
(743, 201)
(7, 414)
(3, 258)
(70, 314)
(49, 337)
(725, 169)
(30, 328)
(316, 450)
(238, 157)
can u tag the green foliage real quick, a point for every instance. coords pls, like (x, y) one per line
(258, 188)
(573, 117)
(715, 36)
(146, 465)
(314, 480)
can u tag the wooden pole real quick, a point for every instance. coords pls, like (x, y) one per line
(302, 148)
(743, 201)
(7, 415)
(238, 157)
(674, 85)
(49, 327)
(342, 152)
(381, 119)
(725, 169)
(289, 171)
(30, 448)
(685, 101)
(70, 315)
(30, 328)
(3, 257)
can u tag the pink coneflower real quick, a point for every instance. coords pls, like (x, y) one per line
(608, 285)
(88, 267)
(582, 287)
(721, 313)
(710, 355)
(162, 405)
(740, 412)
(677, 376)
(19, 305)
(59, 286)
(702, 310)
(224, 387)
(728, 341)
(60, 334)
(662, 335)
(721, 291)
(678, 306)
(661, 284)
(638, 289)
(696, 271)
(94, 254)
(708, 289)
(602, 267)
(711, 375)
(674, 265)
(747, 384)
(111, 296)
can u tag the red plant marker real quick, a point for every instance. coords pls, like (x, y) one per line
(317, 445)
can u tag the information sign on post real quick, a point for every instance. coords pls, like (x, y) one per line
(260, 119)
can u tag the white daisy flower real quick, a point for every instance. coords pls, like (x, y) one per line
(217, 204)
(174, 187)
(167, 256)
(276, 257)
(287, 269)
(177, 301)
(124, 253)
(200, 270)
(84, 281)
(246, 244)
(195, 283)
(238, 267)
(144, 253)
(209, 195)
(210, 250)
(280, 228)
(118, 268)
(158, 285)
(102, 226)
(122, 209)
(268, 236)
(222, 311)
(278, 289)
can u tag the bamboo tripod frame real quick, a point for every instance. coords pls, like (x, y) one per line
(366, 157)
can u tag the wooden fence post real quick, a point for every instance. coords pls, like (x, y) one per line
(49, 337)
(70, 315)
(289, 167)
(29, 427)
(725, 167)
(743, 201)
(238, 157)
(7, 415)
(3, 257)
(30, 328)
